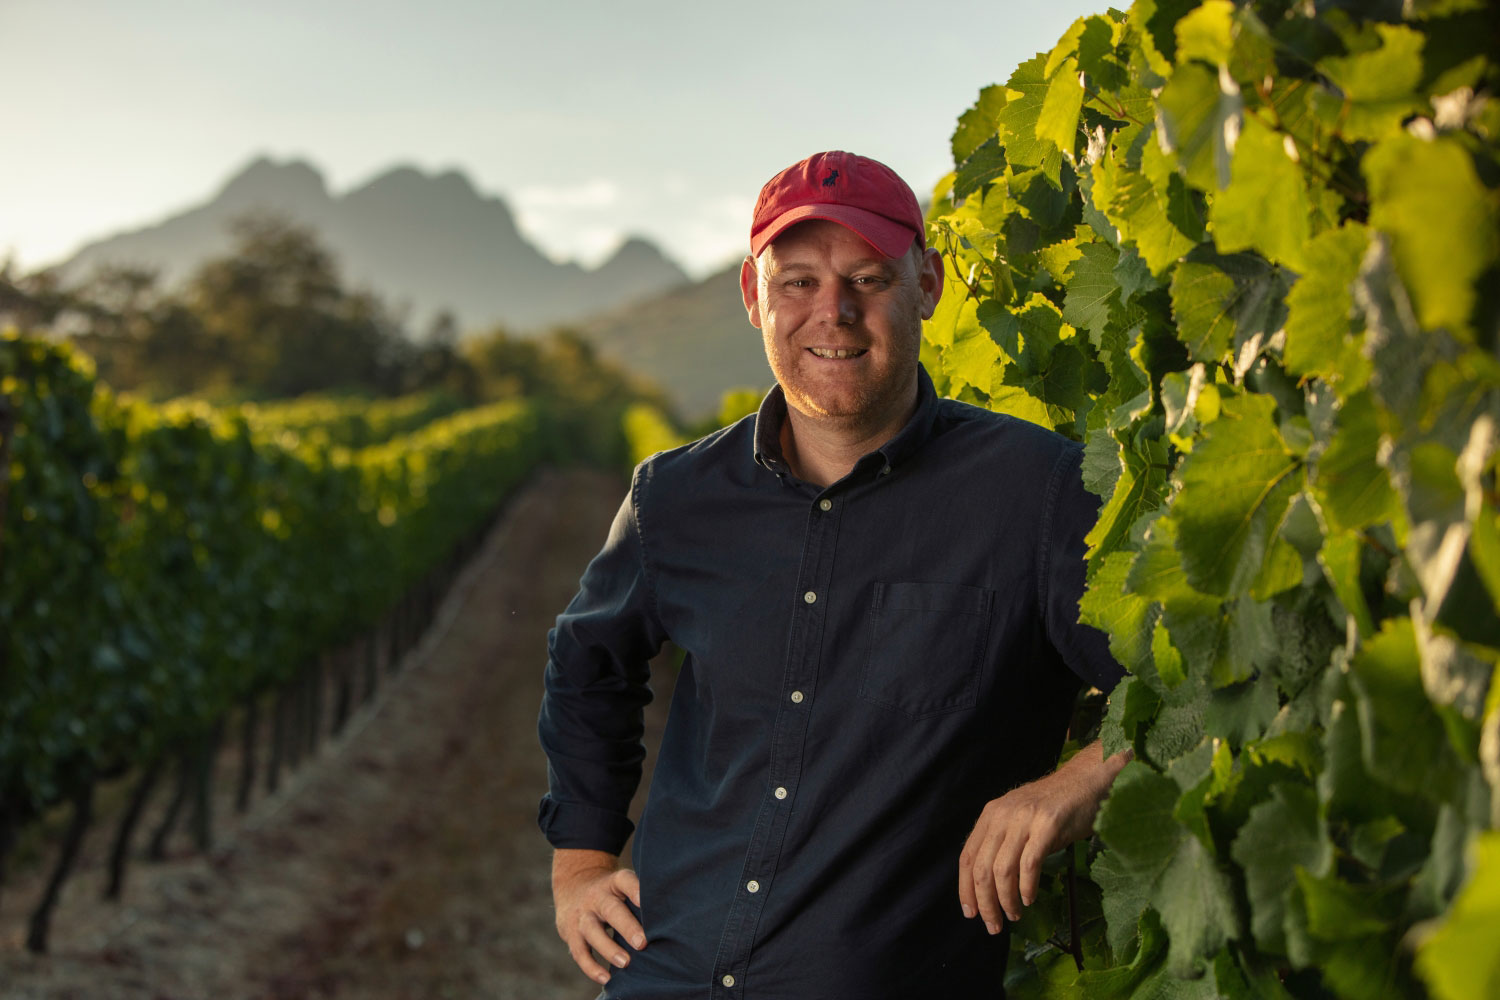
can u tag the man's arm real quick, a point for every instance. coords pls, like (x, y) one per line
(589, 889)
(1001, 863)
(590, 727)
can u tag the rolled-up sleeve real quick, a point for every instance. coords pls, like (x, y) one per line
(595, 689)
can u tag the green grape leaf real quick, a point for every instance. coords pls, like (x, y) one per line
(1282, 834)
(1345, 787)
(1057, 123)
(1339, 558)
(984, 166)
(1132, 705)
(1140, 489)
(972, 358)
(1163, 225)
(1244, 711)
(956, 314)
(1019, 402)
(1206, 33)
(1057, 380)
(1058, 257)
(1351, 486)
(1319, 309)
(1135, 821)
(1442, 222)
(1125, 617)
(1281, 571)
(1125, 896)
(1088, 40)
(1157, 22)
(1484, 550)
(1132, 276)
(1198, 119)
(1378, 86)
(1442, 874)
(1040, 199)
(1225, 303)
(1101, 463)
(1196, 903)
(1169, 665)
(1265, 207)
(1091, 288)
(1179, 726)
(979, 123)
(1403, 740)
(1026, 91)
(1460, 958)
(1236, 486)
(1157, 571)
(1341, 911)
(1367, 968)
(1002, 326)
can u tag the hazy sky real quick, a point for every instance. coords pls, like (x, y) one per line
(592, 120)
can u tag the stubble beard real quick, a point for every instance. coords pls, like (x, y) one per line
(870, 403)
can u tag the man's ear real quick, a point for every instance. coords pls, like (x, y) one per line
(930, 280)
(750, 290)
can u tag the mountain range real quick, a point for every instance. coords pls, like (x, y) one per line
(425, 242)
(432, 243)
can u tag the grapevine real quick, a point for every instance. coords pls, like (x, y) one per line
(1249, 254)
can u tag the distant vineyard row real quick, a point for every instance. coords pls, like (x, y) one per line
(161, 565)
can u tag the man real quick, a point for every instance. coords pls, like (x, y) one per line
(876, 592)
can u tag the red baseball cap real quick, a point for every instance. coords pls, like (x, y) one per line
(858, 193)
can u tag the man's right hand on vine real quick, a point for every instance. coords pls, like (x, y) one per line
(589, 890)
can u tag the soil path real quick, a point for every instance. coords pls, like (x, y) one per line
(404, 862)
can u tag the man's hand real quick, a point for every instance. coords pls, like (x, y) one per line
(589, 889)
(1001, 863)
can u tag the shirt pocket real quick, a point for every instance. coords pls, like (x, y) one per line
(927, 643)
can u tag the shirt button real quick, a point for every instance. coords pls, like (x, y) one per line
(752, 886)
(728, 981)
(781, 793)
(825, 504)
(886, 471)
(796, 697)
(809, 597)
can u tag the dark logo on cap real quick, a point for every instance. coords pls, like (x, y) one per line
(833, 175)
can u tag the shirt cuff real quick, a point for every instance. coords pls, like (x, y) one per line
(570, 825)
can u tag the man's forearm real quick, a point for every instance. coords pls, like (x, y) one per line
(1000, 865)
(1090, 775)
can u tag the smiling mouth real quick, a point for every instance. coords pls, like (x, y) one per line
(836, 353)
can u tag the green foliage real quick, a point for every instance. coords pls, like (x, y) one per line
(158, 564)
(1247, 253)
(649, 428)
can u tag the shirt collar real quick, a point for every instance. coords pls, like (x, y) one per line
(902, 445)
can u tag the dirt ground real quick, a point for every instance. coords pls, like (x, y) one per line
(402, 863)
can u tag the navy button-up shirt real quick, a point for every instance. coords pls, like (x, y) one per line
(866, 666)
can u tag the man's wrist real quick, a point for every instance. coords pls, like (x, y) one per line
(569, 863)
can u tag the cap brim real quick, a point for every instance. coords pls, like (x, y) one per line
(892, 239)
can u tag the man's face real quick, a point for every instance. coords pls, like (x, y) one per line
(841, 322)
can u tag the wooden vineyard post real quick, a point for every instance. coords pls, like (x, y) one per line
(119, 854)
(41, 917)
(158, 848)
(203, 777)
(251, 724)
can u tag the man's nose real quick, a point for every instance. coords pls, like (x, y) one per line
(838, 304)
